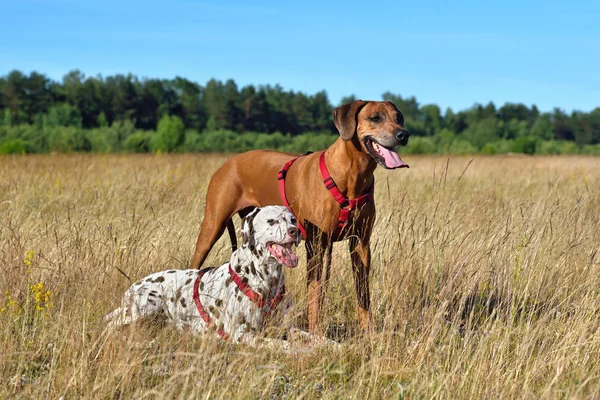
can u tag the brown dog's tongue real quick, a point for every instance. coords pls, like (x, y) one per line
(391, 158)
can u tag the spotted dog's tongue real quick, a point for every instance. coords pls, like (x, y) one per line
(283, 255)
(391, 158)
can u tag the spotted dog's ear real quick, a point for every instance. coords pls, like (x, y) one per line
(345, 116)
(248, 229)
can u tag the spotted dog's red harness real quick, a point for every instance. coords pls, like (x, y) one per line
(346, 204)
(244, 288)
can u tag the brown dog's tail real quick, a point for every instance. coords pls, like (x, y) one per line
(232, 237)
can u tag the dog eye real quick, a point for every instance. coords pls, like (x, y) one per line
(375, 118)
(271, 221)
(293, 220)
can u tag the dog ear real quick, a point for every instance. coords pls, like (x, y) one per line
(344, 118)
(248, 229)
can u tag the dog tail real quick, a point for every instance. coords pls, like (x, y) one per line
(111, 316)
(232, 237)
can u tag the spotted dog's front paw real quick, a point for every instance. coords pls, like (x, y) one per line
(311, 339)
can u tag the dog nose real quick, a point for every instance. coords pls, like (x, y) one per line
(402, 136)
(293, 231)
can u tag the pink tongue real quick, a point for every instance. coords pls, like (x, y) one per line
(285, 256)
(391, 158)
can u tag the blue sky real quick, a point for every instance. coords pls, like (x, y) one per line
(454, 54)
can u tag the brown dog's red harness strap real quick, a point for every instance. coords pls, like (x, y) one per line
(281, 177)
(255, 297)
(345, 203)
(201, 310)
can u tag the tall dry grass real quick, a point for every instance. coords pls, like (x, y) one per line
(485, 284)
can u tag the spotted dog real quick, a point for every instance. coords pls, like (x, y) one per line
(234, 299)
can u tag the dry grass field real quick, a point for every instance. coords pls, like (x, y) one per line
(485, 284)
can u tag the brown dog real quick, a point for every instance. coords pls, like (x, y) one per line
(369, 132)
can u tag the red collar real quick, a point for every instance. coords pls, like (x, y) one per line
(244, 288)
(201, 310)
(252, 295)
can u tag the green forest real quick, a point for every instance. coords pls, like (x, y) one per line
(123, 113)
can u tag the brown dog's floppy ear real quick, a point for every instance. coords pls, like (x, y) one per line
(344, 118)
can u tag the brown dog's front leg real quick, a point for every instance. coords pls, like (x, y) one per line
(314, 274)
(360, 252)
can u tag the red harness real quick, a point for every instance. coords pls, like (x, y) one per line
(346, 204)
(244, 288)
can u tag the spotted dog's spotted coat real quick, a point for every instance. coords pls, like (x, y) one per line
(268, 235)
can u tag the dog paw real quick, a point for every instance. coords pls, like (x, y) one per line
(311, 339)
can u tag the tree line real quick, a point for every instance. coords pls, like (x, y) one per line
(126, 113)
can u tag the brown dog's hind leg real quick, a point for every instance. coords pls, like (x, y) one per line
(221, 204)
(231, 232)
(231, 227)
(209, 234)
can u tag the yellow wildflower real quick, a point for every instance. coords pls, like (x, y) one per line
(10, 302)
(42, 297)
(28, 257)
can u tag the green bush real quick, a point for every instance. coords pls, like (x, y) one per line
(67, 139)
(170, 134)
(461, 147)
(138, 142)
(103, 140)
(273, 141)
(525, 144)
(245, 142)
(123, 129)
(591, 149)
(15, 146)
(420, 145)
(192, 142)
(443, 140)
(308, 142)
(416, 127)
(224, 141)
(548, 147)
(489, 148)
(34, 136)
(220, 141)
(504, 146)
(567, 147)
